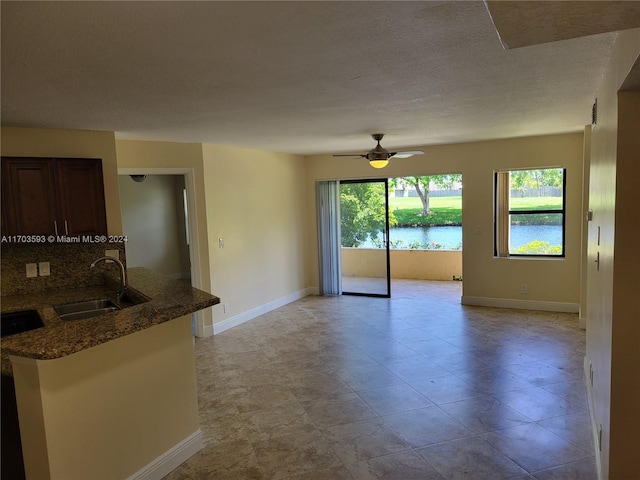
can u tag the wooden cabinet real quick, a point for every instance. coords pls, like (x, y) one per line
(80, 193)
(28, 190)
(61, 196)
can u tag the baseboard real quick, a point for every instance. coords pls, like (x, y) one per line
(171, 459)
(207, 331)
(262, 309)
(582, 322)
(521, 304)
(592, 415)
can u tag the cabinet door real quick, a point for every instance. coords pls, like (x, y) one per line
(81, 196)
(29, 202)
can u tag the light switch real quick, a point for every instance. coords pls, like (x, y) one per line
(45, 269)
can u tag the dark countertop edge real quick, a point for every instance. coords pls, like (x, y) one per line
(168, 299)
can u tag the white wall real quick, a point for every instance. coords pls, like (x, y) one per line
(613, 326)
(153, 221)
(256, 204)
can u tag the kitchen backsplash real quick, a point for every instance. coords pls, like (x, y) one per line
(68, 262)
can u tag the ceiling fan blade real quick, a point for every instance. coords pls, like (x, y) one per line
(407, 154)
(379, 153)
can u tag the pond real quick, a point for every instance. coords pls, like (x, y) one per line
(451, 237)
(523, 234)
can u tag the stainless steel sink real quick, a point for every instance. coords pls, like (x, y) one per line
(87, 309)
(18, 322)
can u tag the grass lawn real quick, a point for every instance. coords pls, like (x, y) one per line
(444, 211)
(536, 203)
(448, 210)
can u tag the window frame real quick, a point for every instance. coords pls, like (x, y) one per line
(496, 206)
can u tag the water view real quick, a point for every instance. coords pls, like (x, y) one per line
(523, 234)
(450, 238)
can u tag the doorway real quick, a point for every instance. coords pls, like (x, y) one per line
(351, 213)
(364, 216)
(192, 274)
(422, 224)
(154, 218)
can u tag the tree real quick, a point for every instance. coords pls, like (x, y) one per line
(535, 179)
(362, 212)
(552, 177)
(520, 180)
(422, 186)
(540, 247)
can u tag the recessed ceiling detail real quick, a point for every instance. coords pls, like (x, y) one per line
(525, 23)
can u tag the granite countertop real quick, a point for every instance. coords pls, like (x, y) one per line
(163, 300)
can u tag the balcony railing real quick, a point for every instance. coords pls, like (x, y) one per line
(407, 264)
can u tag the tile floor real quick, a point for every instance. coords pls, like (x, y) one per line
(412, 387)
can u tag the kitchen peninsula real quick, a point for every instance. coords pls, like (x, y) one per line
(113, 396)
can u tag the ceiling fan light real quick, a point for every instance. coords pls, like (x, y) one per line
(379, 163)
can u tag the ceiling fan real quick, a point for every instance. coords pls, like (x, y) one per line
(379, 156)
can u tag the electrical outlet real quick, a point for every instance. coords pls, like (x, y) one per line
(221, 242)
(45, 269)
(524, 289)
(225, 307)
(32, 270)
(113, 254)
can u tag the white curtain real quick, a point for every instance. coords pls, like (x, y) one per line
(328, 207)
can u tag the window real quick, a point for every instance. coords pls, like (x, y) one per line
(530, 212)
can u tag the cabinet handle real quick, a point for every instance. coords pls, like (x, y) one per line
(66, 229)
(55, 225)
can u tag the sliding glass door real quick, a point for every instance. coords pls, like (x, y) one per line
(364, 238)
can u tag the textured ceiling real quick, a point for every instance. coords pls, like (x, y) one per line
(301, 77)
(522, 23)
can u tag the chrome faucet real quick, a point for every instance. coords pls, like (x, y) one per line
(123, 275)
